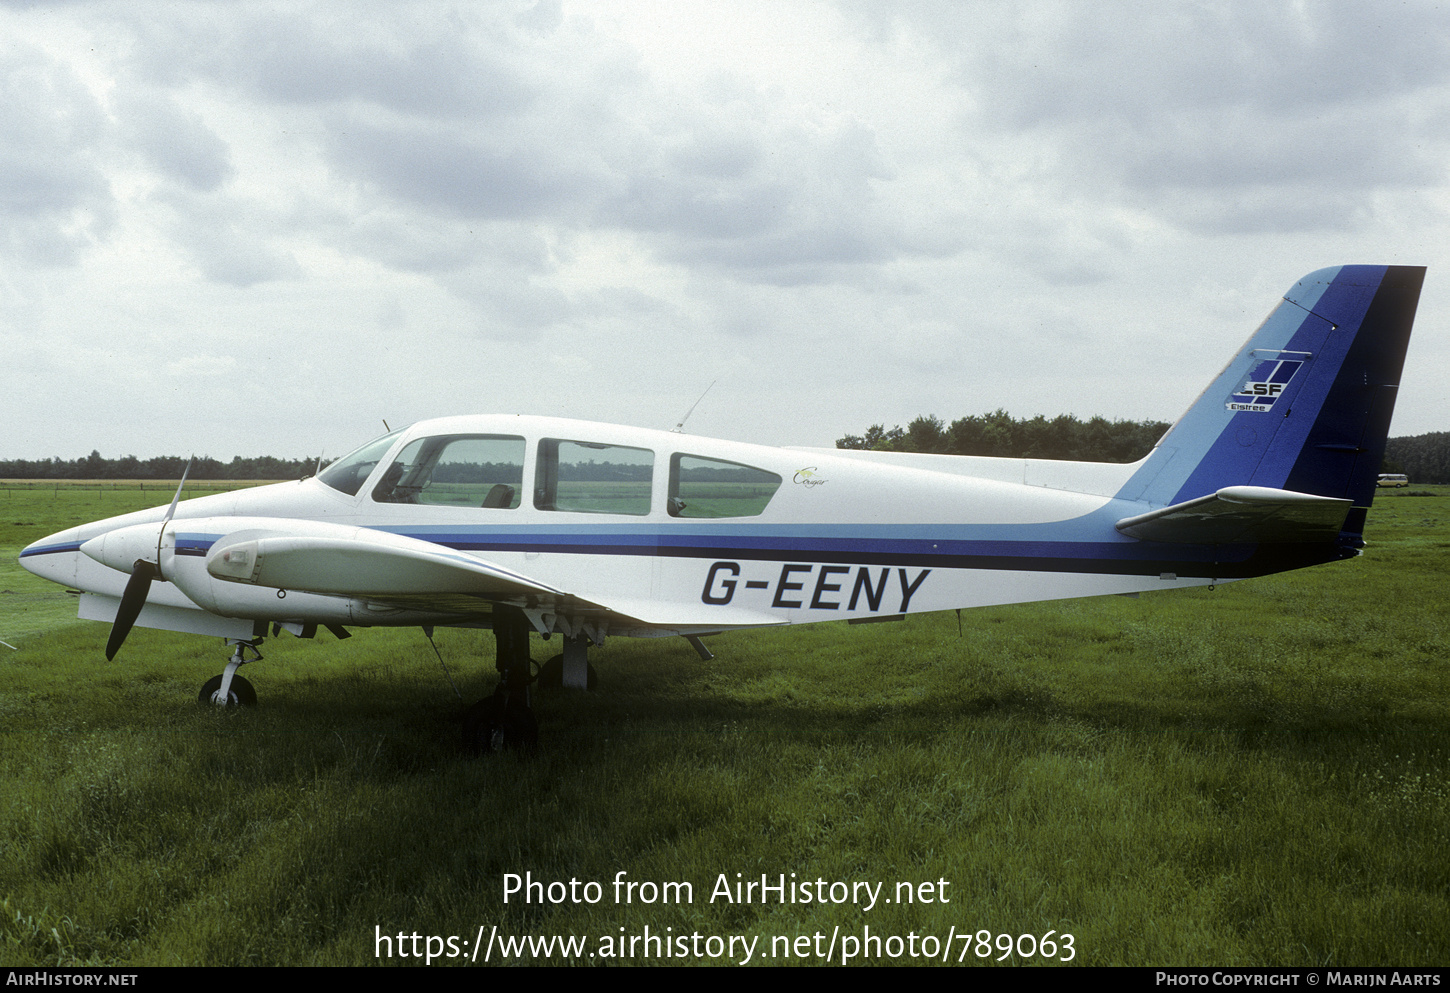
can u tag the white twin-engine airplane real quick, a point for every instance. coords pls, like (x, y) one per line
(587, 530)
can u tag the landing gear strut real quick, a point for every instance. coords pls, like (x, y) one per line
(506, 720)
(229, 689)
(571, 669)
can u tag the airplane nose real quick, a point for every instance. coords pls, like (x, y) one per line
(52, 557)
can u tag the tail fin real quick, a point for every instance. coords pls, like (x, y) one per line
(1305, 405)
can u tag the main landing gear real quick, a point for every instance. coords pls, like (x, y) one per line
(229, 689)
(506, 719)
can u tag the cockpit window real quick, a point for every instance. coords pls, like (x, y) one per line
(593, 478)
(475, 470)
(348, 473)
(701, 487)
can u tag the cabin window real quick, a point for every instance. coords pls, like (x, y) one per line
(701, 487)
(473, 470)
(591, 478)
(348, 473)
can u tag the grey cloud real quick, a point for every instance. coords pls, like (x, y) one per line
(512, 306)
(54, 197)
(229, 241)
(381, 54)
(1139, 61)
(460, 172)
(174, 141)
(776, 206)
(506, 115)
(238, 259)
(1212, 116)
(811, 254)
(410, 244)
(719, 157)
(706, 210)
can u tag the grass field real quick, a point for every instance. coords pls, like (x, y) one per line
(1254, 774)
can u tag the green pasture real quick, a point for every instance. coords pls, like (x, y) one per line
(1249, 775)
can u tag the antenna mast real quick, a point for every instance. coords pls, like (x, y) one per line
(680, 427)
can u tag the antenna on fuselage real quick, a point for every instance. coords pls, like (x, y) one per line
(680, 427)
(385, 426)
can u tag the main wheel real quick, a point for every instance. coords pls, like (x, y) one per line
(493, 726)
(240, 695)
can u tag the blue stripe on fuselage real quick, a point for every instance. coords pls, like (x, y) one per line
(68, 546)
(1045, 547)
(941, 546)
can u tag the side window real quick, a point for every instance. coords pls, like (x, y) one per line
(701, 487)
(478, 470)
(593, 479)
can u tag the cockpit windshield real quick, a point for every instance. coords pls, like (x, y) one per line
(348, 473)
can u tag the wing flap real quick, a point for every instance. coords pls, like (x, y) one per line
(1242, 515)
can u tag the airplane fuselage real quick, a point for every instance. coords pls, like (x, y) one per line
(837, 537)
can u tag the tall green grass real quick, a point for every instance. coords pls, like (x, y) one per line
(1249, 775)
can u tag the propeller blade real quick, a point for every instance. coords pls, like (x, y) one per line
(132, 600)
(179, 487)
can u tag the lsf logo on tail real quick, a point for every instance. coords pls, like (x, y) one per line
(1265, 385)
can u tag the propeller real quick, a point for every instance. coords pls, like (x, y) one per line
(143, 571)
(131, 603)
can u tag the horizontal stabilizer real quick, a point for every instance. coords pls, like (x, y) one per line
(1242, 515)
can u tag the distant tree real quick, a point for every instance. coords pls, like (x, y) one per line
(925, 434)
(876, 438)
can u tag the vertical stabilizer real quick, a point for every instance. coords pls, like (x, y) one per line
(1305, 405)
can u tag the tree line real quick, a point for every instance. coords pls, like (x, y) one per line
(1000, 434)
(1424, 458)
(96, 466)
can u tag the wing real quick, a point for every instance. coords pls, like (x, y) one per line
(396, 570)
(1242, 514)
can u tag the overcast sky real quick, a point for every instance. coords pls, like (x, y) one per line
(244, 228)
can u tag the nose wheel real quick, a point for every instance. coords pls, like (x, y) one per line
(239, 694)
(229, 689)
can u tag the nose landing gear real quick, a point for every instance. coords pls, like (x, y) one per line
(229, 689)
